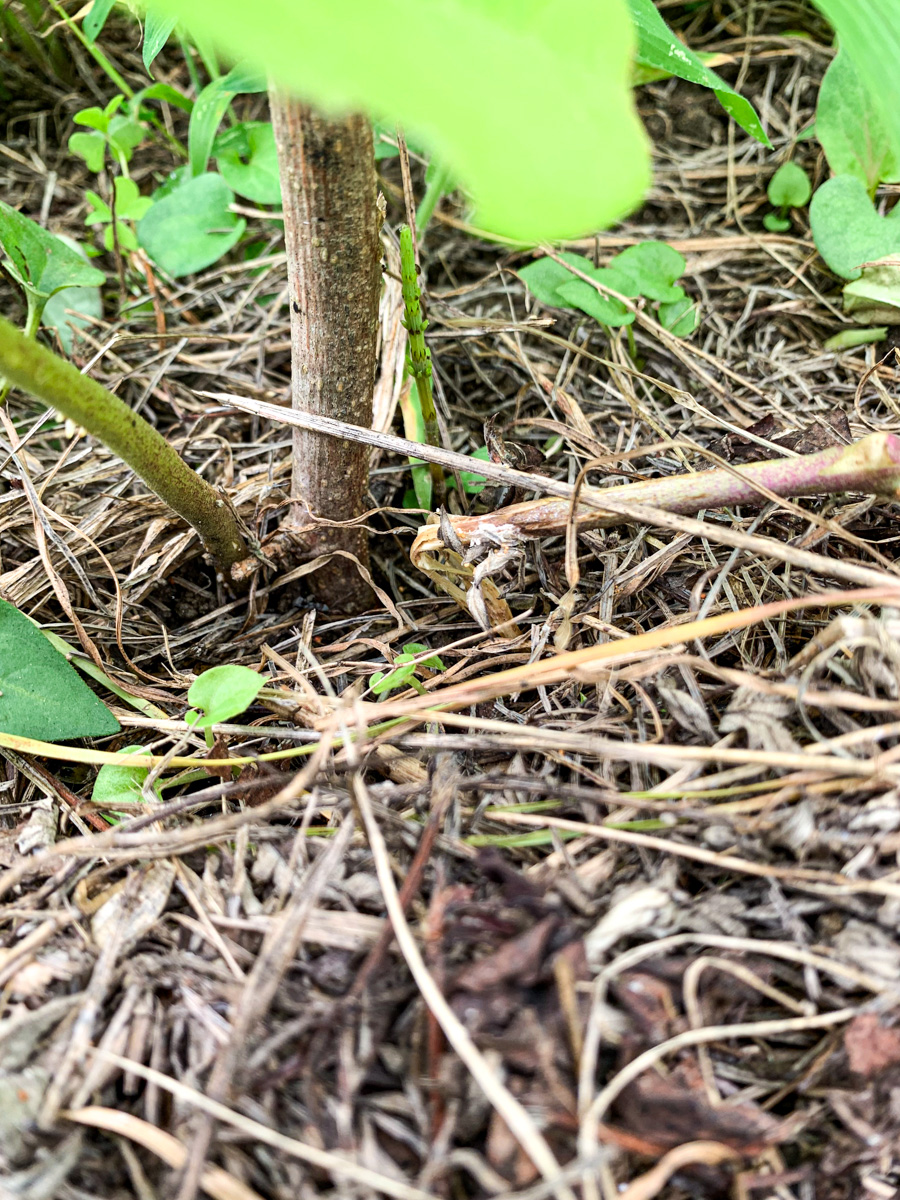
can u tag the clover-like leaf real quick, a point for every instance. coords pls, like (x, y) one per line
(654, 267)
(91, 147)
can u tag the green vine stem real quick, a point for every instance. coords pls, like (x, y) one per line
(418, 361)
(29, 366)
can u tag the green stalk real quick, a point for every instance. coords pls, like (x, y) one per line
(27, 365)
(440, 181)
(418, 361)
(94, 50)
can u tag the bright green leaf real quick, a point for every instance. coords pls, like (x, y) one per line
(210, 107)
(248, 161)
(851, 127)
(41, 695)
(124, 135)
(546, 276)
(776, 224)
(86, 301)
(224, 692)
(191, 227)
(659, 49)
(91, 147)
(680, 316)
(869, 33)
(157, 29)
(96, 18)
(159, 91)
(545, 96)
(846, 228)
(605, 309)
(789, 187)
(117, 785)
(41, 261)
(654, 267)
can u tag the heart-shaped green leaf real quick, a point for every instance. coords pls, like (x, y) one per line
(789, 187)
(41, 695)
(72, 306)
(846, 228)
(248, 161)
(191, 227)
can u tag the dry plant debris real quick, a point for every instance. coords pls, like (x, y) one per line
(611, 909)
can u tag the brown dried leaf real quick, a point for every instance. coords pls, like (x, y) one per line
(871, 1046)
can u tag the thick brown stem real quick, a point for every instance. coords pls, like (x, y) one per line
(331, 228)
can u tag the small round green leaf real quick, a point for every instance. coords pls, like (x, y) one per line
(789, 187)
(224, 692)
(116, 785)
(654, 267)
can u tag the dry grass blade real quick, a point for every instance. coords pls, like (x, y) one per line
(711, 1154)
(514, 1114)
(332, 1163)
(214, 1180)
(565, 666)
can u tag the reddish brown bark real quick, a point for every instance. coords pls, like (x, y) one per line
(331, 228)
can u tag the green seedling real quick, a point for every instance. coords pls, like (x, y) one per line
(41, 695)
(43, 266)
(130, 206)
(120, 787)
(788, 188)
(648, 269)
(406, 666)
(220, 694)
(211, 106)
(118, 134)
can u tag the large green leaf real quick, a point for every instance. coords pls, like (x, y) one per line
(851, 127)
(41, 695)
(869, 31)
(660, 49)
(526, 101)
(191, 227)
(847, 230)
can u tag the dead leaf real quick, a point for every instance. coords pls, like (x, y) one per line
(871, 1046)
